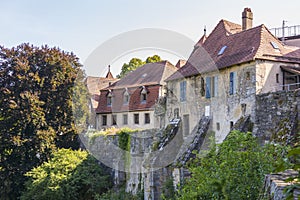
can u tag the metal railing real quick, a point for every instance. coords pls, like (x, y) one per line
(287, 87)
(287, 31)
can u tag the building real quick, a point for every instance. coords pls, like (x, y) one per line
(130, 102)
(225, 72)
(94, 85)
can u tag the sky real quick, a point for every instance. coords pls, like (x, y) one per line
(82, 26)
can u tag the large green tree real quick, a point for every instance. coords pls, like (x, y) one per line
(134, 63)
(36, 89)
(69, 174)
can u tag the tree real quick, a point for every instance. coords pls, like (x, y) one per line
(134, 63)
(68, 174)
(36, 89)
(235, 171)
(153, 59)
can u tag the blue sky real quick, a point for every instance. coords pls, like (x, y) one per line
(81, 26)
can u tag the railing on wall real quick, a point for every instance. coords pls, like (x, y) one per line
(287, 31)
(287, 87)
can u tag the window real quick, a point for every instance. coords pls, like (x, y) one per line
(147, 118)
(114, 119)
(125, 119)
(232, 83)
(183, 91)
(274, 45)
(211, 87)
(186, 125)
(222, 50)
(126, 99)
(202, 87)
(144, 95)
(208, 87)
(248, 76)
(136, 118)
(218, 126)
(215, 86)
(104, 120)
(109, 99)
(277, 78)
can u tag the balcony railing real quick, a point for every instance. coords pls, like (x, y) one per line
(287, 31)
(287, 87)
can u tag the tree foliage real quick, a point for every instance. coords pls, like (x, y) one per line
(234, 170)
(134, 63)
(69, 174)
(36, 88)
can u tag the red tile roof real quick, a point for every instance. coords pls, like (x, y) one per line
(151, 76)
(242, 46)
(135, 103)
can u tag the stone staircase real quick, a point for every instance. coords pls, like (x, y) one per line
(193, 141)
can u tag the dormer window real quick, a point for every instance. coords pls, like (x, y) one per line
(144, 95)
(109, 98)
(126, 97)
(222, 50)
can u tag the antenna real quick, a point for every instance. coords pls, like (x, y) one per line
(205, 30)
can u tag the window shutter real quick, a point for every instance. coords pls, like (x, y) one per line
(183, 91)
(216, 86)
(234, 82)
(231, 83)
(208, 85)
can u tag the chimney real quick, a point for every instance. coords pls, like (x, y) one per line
(247, 17)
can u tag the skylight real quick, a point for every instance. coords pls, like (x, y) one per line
(222, 50)
(274, 45)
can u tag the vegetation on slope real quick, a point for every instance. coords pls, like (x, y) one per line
(234, 169)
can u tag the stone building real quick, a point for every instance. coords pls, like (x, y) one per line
(131, 101)
(225, 72)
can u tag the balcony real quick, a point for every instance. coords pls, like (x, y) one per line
(286, 32)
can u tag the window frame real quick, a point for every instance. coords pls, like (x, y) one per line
(136, 118)
(147, 119)
(232, 83)
(182, 89)
(113, 120)
(104, 117)
(125, 116)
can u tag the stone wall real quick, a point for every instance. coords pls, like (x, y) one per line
(276, 116)
(276, 183)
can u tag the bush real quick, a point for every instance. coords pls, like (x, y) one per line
(233, 170)
(68, 175)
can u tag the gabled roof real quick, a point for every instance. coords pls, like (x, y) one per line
(240, 47)
(151, 75)
(148, 74)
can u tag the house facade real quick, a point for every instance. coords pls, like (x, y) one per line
(225, 72)
(130, 102)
